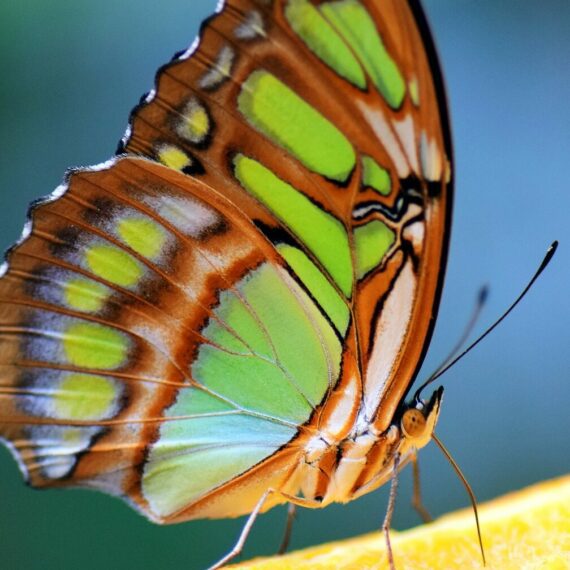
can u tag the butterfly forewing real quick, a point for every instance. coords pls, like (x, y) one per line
(174, 328)
(343, 102)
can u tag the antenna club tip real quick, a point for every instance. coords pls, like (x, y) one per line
(483, 294)
(548, 256)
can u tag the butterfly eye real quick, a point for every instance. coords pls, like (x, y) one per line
(413, 423)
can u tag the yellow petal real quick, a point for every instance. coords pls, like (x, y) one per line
(528, 529)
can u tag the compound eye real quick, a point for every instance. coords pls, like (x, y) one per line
(413, 423)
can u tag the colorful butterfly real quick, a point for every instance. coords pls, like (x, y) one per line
(230, 313)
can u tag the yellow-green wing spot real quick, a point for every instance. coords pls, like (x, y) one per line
(353, 21)
(318, 285)
(142, 235)
(414, 90)
(376, 177)
(284, 376)
(372, 242)
(113, 265)
(194, 122)
(322, 234)
(92, 345)
(289, 121)
(212, 437)
(85, 295)
(65, 397)
(322, 39)
(173, 157)
(85, 397)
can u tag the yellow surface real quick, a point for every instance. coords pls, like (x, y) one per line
(528, 529)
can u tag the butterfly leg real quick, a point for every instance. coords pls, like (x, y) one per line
(291, 511)
(417, 502)
(238, 546)
(390, 510)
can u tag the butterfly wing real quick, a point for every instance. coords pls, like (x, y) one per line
(170, 337)
(343, 101)
(135, 297)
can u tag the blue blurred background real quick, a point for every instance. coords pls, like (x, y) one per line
(71, 71)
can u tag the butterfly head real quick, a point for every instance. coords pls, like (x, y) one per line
(419, 418)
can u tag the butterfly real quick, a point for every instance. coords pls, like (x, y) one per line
(229, 314)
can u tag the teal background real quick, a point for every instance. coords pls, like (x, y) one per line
(71, 71)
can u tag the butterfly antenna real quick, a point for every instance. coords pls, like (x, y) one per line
(467, 488)
(482, 296)
(442, 370)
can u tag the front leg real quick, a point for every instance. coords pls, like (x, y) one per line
(417, 502)
(291, 512)
(390, 510)
(238, 547)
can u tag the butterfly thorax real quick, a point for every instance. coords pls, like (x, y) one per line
(340, 470)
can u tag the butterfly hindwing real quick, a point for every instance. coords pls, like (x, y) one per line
(124, 314)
